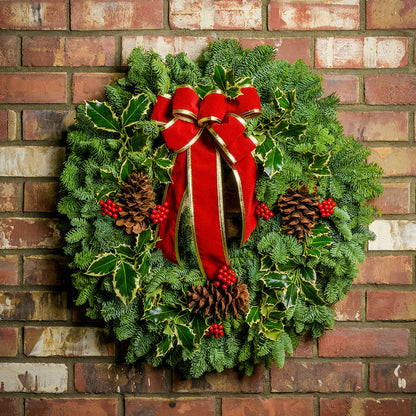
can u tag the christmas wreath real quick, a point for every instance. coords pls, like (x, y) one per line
(215, 208)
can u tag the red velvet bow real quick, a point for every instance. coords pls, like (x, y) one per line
(200, 132)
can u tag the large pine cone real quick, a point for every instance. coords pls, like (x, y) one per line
(137, 199)
(299, 211)
(212, 301)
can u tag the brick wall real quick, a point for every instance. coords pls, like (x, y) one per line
(57, 53)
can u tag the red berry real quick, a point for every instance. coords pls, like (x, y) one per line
(119, 209)
(166, 204)
(217, 283)
(224, 287)
(103, 214)
(215, 325)
(115, 216)
(109, 201)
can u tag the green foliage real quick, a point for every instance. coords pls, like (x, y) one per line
(137, 292)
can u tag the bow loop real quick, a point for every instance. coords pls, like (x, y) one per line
(246, 105)
(212, 108)
(185, 103)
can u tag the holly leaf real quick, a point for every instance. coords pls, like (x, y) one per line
(272, 329)
(102, 265)
(266, 264)
(276, 280)
(308, 274)
(320, 229)
(253, 315)
(102, 116)
(138, 141)
(273, 162)
(311, 292)
(314, 252)
(293, 130)
(266, 146)
(291, 295)
(185, 337)
(164, 346)
(321, 241)
(203, 90)
(199, 327)
(319, 165)
(220, 77)
(125, 282)
(162, 175)
(107, 175)
(144, 264)
(164, 163)
(126, 170)
(160, 313)
(233, 92)
(137, 107)
(124, 250)
(143, 239)
(107, 190)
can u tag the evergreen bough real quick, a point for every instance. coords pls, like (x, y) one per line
(140, 295)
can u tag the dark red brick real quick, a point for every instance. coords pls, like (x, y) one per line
(71, 407)
(8, 342)
(345, 87)
(51, 270)
(8, 200)
(391, 305)
(349, 309)
(8, 50)
(9, 406)
(46, 124)
(41, 196)
(393, 378)
(8, 270)
(305, 347)
(394, 200)
(390, 89)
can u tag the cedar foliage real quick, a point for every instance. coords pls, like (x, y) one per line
(291, 283)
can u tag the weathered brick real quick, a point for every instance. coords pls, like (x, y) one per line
(29, 233)
(46, 124)
(365, 342)
(8, 50)
(67, 342)
(290, 49)
(8, 200)
(211, 14)
(33, 161)
(391, 14)
(87, 86)
(228, 381)
(389, 270)
(348, 406)
(113, 378)
(360, 52)
(394, 200)
(169, 407)
(393, 235)
(35, 306)
(375, 125)
(69, 51)
(397, 161)
(41, 196)
(312, 14)
(344, 86)
(349, 309)
(46, 87)
(8, 342)
(164, 45)
(27, 14)
(293, 406)
(386, 377)
(390, 89)
(116, 15)
(70, 407)
(9, 406)
(391, 305)
(305, 347)
(303, 376)
(7, 125)
(51, 270)
(8, 270)
(33, 378)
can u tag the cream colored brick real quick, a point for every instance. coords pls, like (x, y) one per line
(393, 235)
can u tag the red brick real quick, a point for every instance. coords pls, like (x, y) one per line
(391, 14)
(365, 342)
(26, 14)
(7, 125)
(375, 125)
(393, 378)
(390, 89)
(115, 378)
(9, 406)
(392, 305)
(69, 51)
(70, 407)
(394, 200)
(8, 342)
(35, 305)
(8, 270)
(303, 376)
(41, 196)
(169, 407)
(293, 406)
(228, 381)
(348, 406)
(217, 15)
(46, 124)
(21, 88)
(29, 233)
(51, 270)
(290, 49)
(344, 86)
(8, 50)
(310, 14)
(395, 161)
(116, 15)
(305, 347)
(164, 45)
(8, 200)
(91, 86)
(390, 270)
(349, 309)
(360, 52)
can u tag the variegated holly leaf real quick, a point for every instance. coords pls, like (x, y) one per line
(160, 313)
(185, 337)
(123, 250)
(276, 280)
(143, 239)
(253, 315)
(126, 170)
(311, 292)
(273, 162)
(137, 107)
(272, 329)
(102, 116)
(264, 147)
(125, 282)
(162, 174)
(291, 295)
(319, 165)
(102, 265)
(199, 326)
(164, 346)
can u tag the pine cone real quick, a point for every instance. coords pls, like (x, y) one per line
(299, 211)
(210, 300)
(137, 201)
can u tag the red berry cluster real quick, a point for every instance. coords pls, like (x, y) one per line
(215, 330)
(262, 210)
(225, 276)
(110, 208)
(160, 213)
(327, 207)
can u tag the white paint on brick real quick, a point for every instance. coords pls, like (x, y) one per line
(33, 377)
(370, 52)
(389, 52)
(393, 235)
